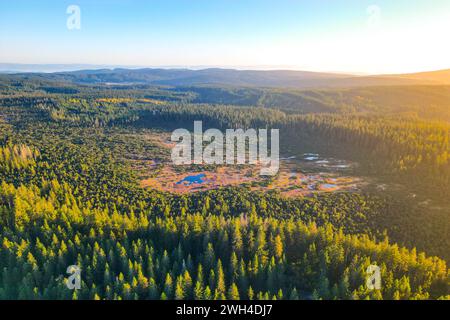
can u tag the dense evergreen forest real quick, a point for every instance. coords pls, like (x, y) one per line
(68, 196)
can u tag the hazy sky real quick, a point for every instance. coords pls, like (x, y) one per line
(333, 35)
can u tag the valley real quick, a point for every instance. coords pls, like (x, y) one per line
(85, 171)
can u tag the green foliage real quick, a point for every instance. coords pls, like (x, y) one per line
(68, 195)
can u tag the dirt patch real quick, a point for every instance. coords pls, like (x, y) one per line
(295, 177)
(288, 182)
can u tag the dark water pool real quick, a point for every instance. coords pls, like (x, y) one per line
(193, 179)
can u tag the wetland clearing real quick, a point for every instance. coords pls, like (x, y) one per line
(298, 176)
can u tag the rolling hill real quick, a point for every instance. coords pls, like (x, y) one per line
(237, 78)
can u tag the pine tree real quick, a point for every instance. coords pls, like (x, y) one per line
(250, 293)
(168, 286)
(179, 291)
(233, 292)
(187, 284)
(294, 294)
(207, 294)
(220, 288)
(278, 247)
(198, 291)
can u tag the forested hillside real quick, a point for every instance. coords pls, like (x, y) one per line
(429, 102)
(236, 78)
(68, 195)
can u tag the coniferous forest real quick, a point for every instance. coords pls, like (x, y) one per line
(70, 195)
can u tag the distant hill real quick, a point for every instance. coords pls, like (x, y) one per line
(237, 78)
(291, 91)
(18, 67)
(441, 76)
(187, 77)
(428, 102)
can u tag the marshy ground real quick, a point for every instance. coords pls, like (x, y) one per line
(302, 176)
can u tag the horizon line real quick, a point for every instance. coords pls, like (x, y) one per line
(93, 66)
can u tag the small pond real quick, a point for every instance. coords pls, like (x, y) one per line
(193, 179)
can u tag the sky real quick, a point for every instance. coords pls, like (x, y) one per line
(353, 36)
